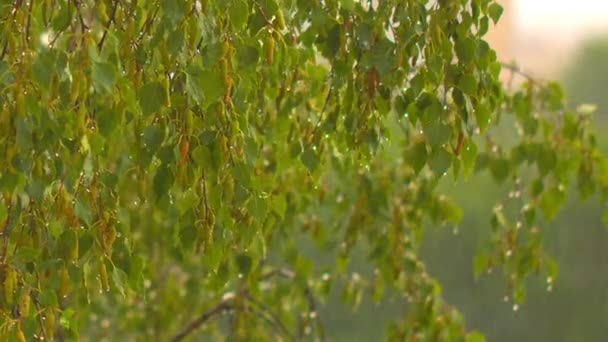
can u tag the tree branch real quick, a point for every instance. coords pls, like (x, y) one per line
(6, 231)
(107, 28)
(515, 69)
(203, 318)
(83, 26)
(312, 305)
(28, 23)
(273, 319)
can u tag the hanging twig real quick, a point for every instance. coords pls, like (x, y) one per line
(107, 28)
(4, 49)
(28, 23)
(514, 68)
(222, 306)
(146, 26)
(83, 26)
(312, 305)
(273, 319)
(6, 231)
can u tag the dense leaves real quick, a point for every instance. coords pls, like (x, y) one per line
(160, 159)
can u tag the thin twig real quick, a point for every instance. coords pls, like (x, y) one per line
(514, 68)
(5, 231)
(207, 315)
(83, 26)
(288, 274)
(313, 309)
(4, 49)
(28, 24)
(146, 26)
(274, 319)
(107, 28)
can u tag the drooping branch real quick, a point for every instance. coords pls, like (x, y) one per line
(515, 69)
(258, 307)
(6, 231)
(107, 28)
(273, 319)
(222, 306)
(312, 305)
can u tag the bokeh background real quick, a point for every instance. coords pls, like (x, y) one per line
(562, 40)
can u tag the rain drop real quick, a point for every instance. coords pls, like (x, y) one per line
(515, 307)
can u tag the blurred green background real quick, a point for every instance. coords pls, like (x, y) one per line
(576, 308)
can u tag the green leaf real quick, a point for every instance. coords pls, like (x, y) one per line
(500, 169)
(417, 156)
(551, 201)
(269, 7)
(469, 157)
(163, 180)
(187, 201)
(248, 55)
(440, 161)
(310, 159)
(3, 212)
(188, 236)
(174, 11)
(495, 12)
(437, 133)
(107, 121)
(244, 263)
(120, 280)
(4, 72)
(348, 5)
(43, 69)
(203, 85)
(450, 211)
(28, 254)
(546, 161)
(466, 49)
(238, 12)
(48, 298)
(475, 337)
(483, 116)
(104, 76)
(468, 84)
(83, 211)
(279, 205)
(67, 319)
(480, 264)
(151, 97)
(62, 19)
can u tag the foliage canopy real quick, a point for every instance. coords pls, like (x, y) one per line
(161, 160)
